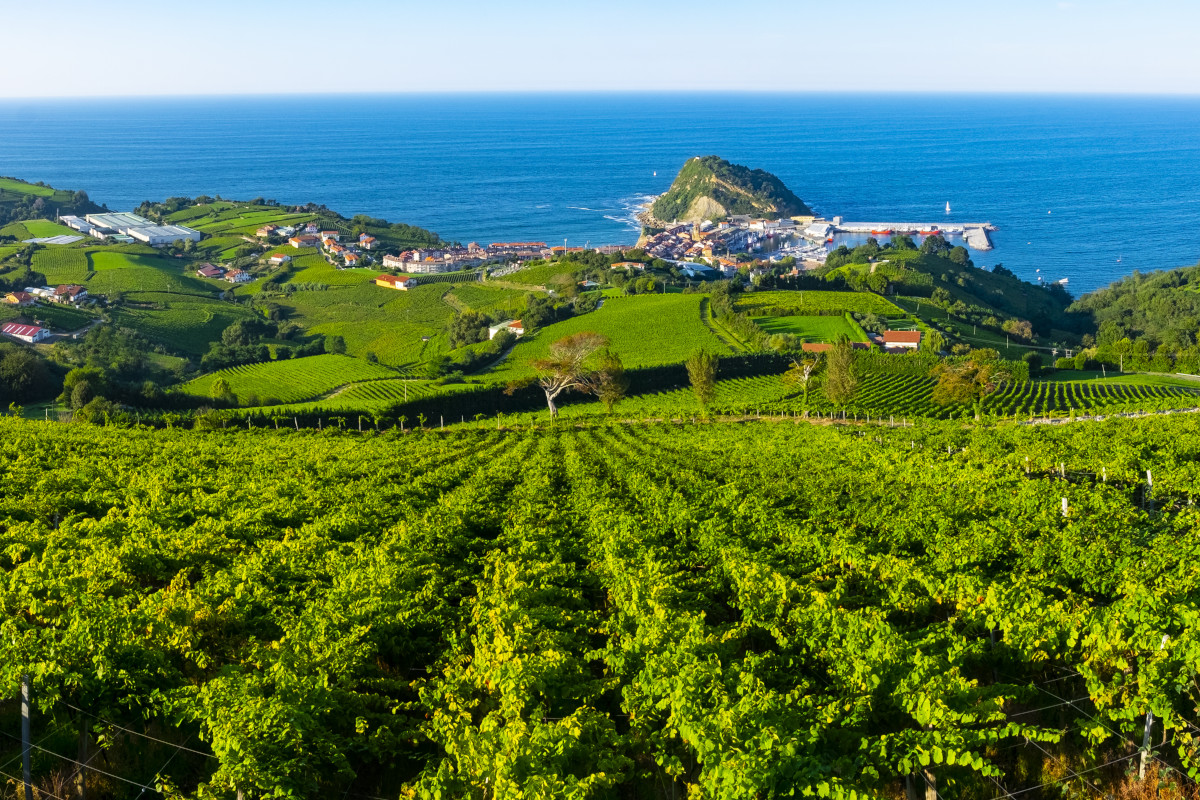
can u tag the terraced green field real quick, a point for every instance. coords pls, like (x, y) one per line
(645, 330)
(62, 265)
(386, 322)
(547, 274)
(315, 269)
(810, 302)
(812, 329)
(115, 271)
(481, 297)
(912, 396)
(373, 395)
(183, 322)
(293, 380)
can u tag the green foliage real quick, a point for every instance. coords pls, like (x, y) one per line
(730, 188)
(841, 379)
(702, 375)
(646, 331)
(290, 381)
(611, 611)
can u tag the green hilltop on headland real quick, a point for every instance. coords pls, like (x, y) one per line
(711, 188)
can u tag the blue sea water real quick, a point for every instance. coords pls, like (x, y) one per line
(1074, 183)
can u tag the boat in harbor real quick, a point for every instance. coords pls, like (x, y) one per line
(881, 233)
(947, 206)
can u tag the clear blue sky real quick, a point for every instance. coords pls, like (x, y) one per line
(132, 47)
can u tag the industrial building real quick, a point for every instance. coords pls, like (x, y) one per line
(139, 229)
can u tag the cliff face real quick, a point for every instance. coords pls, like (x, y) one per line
(710, 187)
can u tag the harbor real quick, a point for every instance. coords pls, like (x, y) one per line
(976, 234)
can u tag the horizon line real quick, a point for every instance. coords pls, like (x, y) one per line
(981, 93)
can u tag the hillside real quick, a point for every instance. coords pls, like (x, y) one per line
(1162, 308)
(20, 200)
(521, 613)
(711, 188)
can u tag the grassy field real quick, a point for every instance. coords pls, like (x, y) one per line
(645, 331)
(315, 269)
(373, 395)
(813, 329)
(228, 219)
(547, 274)
(389, 323)
(20, 187)
(809, 301)
(481, 297)
(62, 264)
(115, 271)
(44, 228)
(183, 322)
(293, 380)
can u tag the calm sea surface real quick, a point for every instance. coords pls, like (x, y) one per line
(1073, 183)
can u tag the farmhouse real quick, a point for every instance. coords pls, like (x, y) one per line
(513, 326)
(267, 230)
(304, 240)
(279, 258)
(18, 299)
(337, 237)
(351, 259)
(629, 266)
(26, 333)
(909, 340)
(70, 293)
(366, 241)
(395, 282)
(209, 271)
(239, 276)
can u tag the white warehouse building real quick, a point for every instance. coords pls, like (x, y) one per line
(141, 229)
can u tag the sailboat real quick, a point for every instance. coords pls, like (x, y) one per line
(947, 206)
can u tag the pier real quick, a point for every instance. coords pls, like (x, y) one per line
(975, 233)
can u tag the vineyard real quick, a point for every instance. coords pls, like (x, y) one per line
(912, 396)
(813, 329)
(292, 380)
(650, 611)
(184, 322)
(818, 303)
(645, 331)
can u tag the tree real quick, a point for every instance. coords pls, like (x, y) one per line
(81, 385)
(702, 373)
(614, 383)
(969, 381)
(567, 367)
(935, 245)
(841, 384)
(335, 344)
(469, 327)
(221, 390)
(801, 373)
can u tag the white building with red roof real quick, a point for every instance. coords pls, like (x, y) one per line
(26, 333)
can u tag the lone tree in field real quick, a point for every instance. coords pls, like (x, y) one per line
(579, 362)
(702, 372)
(615, 383)
(841, 384)
(801, 373)
(970, 381)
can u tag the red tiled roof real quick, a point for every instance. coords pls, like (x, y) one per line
(902, 337)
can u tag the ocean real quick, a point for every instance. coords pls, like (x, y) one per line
(1083, 188)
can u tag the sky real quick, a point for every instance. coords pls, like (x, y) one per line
(257, 47)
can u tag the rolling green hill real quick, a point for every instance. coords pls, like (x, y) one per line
(20, 200)
(711, 188)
